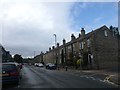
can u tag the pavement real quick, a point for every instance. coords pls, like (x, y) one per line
(103, 75)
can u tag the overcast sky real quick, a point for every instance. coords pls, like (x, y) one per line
(28, 25)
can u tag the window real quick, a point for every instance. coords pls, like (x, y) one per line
(115, 31)
(88, 42)
(105, 32)
(73, 47)
(69, 48)
(81, 45)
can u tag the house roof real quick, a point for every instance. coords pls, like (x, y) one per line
(85, 37)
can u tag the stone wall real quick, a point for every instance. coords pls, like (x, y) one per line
(107, 47)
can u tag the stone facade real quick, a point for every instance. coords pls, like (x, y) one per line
(38, 58)
(105, 50)
(97, 49)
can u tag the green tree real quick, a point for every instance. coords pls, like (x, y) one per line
(18, 58)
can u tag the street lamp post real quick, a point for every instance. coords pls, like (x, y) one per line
(55, 46)
(55, 40)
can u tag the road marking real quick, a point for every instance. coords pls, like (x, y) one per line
(92, 78)
(107, 78)
(101, 80)
(110, 82)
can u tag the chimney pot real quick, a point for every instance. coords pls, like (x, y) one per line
(72, 37)
(79, 35)
(57, 44)
(64, 41)
(82, 32)
(53, 47)
(49, 49)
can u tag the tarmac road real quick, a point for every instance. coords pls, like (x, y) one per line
(36, 77)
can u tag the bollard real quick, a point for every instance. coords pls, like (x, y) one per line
(66, 67)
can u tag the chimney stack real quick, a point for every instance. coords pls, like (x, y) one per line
(53, 47)
(64, 41)
(72, 37)
(49, 49)
(57, 44)
(111, 27)
(79, 35)
(82, 32)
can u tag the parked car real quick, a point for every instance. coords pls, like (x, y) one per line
(11, 73)
(50, 66)
(40, 65)
(19, 65)
(36, 64)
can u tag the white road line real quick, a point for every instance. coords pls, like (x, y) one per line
(110, 82)
(87, 77)
(92, 78)
(101, 80)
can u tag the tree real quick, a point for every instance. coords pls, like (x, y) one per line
(18, 58)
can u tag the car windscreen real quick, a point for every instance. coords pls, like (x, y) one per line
(8, 67)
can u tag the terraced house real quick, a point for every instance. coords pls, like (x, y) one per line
(97, 49)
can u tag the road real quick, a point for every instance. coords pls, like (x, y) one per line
(36, 77)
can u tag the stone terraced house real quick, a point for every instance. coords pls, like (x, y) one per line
(97, 49)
